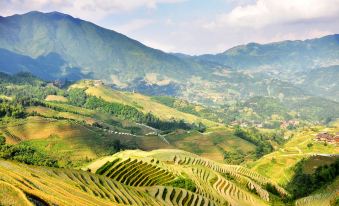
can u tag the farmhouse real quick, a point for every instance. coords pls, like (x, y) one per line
(328, 138)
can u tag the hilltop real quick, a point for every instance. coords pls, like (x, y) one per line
(91, 51)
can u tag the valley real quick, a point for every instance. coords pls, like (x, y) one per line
(87, 136)
(89, 116)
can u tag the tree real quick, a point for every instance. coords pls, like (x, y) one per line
(201, 127)
(2, 140)
(77, 97)
(309, 145)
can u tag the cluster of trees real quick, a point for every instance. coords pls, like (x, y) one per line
(30, 92)
(234, 157)
(257, 138)
(26, 154)
(25, 85)
(178, 104)
(183, 183)
(303, 184)
(11, 109)
(77, 97)
(20, 78)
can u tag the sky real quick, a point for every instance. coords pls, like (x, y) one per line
(197, 26)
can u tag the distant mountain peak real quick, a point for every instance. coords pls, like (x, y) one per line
(87, 47)
(53, 14)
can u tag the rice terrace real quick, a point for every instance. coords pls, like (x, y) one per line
(169, 103)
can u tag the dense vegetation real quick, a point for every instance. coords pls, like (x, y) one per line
(131, 113)
(178, 104)
(25, 154)
(303, 184)
(221, 114)
(77, 97)
(26, 85)
(261, 140)
(10, 109)
(184, 183)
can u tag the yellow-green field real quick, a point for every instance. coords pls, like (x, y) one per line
(279, 164)
(56, 98)
(10, 195)
(68, 140)
(135, 178)
(210, 144)
(241, 187)
(142, 102)
(47, 112)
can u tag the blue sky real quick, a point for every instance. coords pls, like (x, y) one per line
(197, 26)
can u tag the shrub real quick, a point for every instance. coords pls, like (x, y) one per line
(183, 183)
(26, 154)
(2, 140)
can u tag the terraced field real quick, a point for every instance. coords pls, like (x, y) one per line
(279, 164)
(215, 184)
(135, 177)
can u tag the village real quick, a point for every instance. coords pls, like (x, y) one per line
(328, 138)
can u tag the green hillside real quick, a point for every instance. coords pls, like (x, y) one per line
(92, 51)
(280, 55)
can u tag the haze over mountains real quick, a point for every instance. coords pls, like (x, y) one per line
(58, 46)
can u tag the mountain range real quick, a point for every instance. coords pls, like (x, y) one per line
(57, 46)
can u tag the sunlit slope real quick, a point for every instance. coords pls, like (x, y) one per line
(141, 102)
(70, 140)
(49, 186)
(279, 164)
(66, 131)
(217, 183)
(211, 144)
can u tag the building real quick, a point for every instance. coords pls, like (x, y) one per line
(327, 137)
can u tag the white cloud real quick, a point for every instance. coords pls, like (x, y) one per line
(267, 12)
(134, 25)
(158, 44)
(87, 9)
